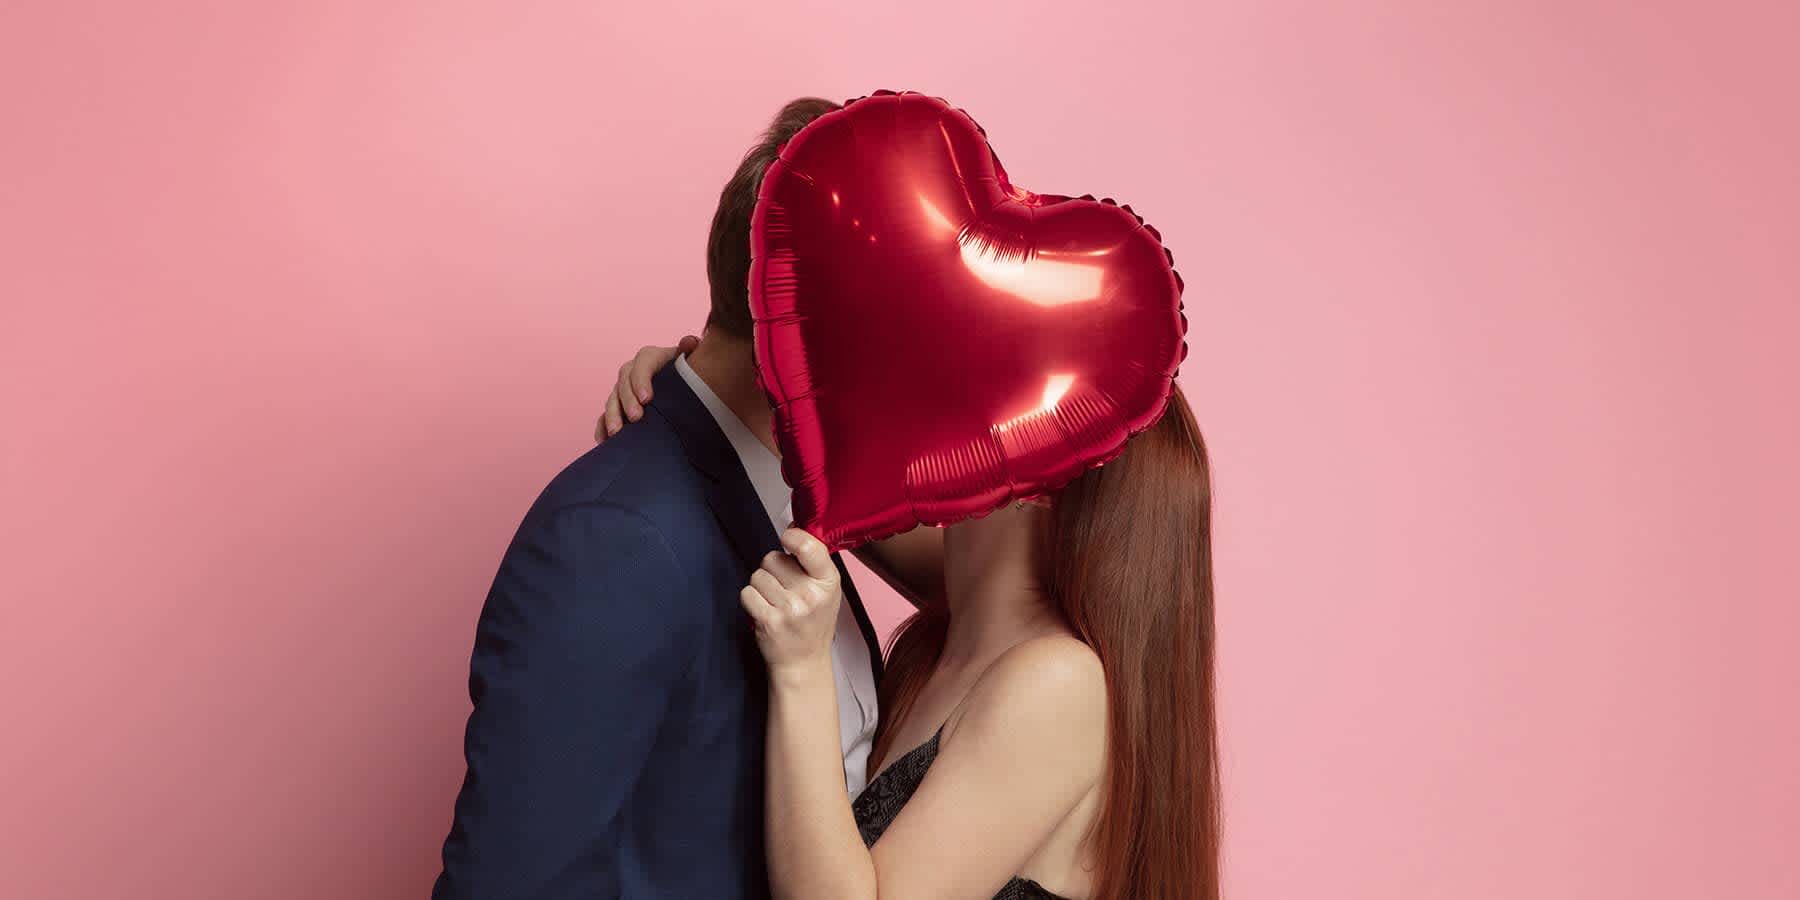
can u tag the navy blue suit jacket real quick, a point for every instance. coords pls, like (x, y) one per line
(615, 748)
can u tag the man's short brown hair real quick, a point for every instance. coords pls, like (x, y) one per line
(728, 245)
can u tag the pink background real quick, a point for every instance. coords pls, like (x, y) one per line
(304, 301)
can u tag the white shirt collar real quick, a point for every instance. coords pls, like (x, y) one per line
(762, 465)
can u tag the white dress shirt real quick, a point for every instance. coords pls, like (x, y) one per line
(850, 664)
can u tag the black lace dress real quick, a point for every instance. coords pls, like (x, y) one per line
(881, 801)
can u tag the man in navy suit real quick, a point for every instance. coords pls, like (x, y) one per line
(616, 744)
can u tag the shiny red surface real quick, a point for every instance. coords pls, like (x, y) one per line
(937, 340)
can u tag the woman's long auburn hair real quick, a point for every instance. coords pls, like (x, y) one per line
(1128, 562)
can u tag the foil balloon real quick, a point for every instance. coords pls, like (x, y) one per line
(936, 340)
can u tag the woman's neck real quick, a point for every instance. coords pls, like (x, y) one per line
(993, 588)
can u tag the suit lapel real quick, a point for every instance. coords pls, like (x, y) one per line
(729, 492)
(862, 618)
(733, 499)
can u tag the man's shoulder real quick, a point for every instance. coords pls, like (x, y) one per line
(641, 471)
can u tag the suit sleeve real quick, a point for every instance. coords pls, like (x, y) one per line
(576, 654)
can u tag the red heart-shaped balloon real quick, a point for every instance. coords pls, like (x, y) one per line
(937, 341)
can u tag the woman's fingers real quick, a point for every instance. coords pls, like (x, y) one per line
(772, 590)
(794, 600)
(628, 400)
(811, 553)
(785, 570)
(648, 362)
(757, 605)
(640, 370)
(611, 420)
(625, 402)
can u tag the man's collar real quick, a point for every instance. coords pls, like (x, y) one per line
(763, 466)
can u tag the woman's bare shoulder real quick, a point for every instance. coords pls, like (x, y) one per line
(1045, 691)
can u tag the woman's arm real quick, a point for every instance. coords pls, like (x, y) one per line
(814, 849)
(1026, 745)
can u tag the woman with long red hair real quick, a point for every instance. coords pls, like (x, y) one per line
(1047, 724)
